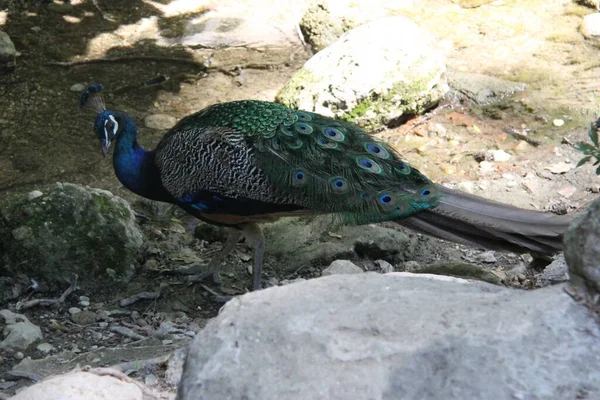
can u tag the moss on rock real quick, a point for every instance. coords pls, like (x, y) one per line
(70, 229)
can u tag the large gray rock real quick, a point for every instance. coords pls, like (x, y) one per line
(70, 229)
(396, 336)
(582, 248)
(372, 75)
(8, 53)
(19, 333)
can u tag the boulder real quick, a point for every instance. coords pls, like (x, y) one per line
(70, 229)
(399, 335)
(372, 75)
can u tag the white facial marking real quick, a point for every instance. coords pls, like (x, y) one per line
(115, 125)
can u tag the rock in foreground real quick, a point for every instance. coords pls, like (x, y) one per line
(82, 386)
(372, 336)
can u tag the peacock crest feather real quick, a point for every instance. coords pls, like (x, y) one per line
(324, 164)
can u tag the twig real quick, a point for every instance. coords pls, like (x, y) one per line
(121, 330)
(49, 302)
(141, 365)
(137, 297)
(202, 64)
(518, 135)
(68, 64)
(209, 290)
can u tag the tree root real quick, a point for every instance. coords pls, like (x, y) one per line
(49, 302)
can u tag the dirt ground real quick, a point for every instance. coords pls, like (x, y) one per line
(45, 139)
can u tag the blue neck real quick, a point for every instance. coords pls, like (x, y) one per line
(134, 165)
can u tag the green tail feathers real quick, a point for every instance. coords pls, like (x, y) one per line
(329, 165)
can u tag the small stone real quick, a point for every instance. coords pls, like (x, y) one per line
(34, 194)
(84, 318)
(558, 122)
(36, 29)
(590, 26)
(500, 156)
(342, 267)
(45, 348)
(411, 266)
(487, 257)
(102, 324)
(521, 277)
(22, 233)
(111, 272)
(74, 310)
(102, 315)
(385, 266)
(487, 166)
(160, 121)
(19, 355)
(97, 336)
(190, 333)
(151, 380)
(78, 87)
(75, 349)
(167, 342)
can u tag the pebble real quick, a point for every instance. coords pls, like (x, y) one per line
(342, 267)
(558, 122)
(45, 348)
(500, 155)
(36, 28)
(487, 166)
(34, 195)
(590, 26)
(19, 355)
(385, 266)
(167, 342)
(103, 324)
(411, 266)
(190, 333)
(78, 87)
(96, 336)
(74, 310)
(487, 257)
(102, 315)
(84, 318)
(84, 301)
(521, 277)
(151, 380)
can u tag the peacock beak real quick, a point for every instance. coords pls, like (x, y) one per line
(104, 145)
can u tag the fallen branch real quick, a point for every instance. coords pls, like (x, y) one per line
(137, 297)
(121, 330)
(518, 135)
(203, 65)
(142, 365)
(49, 302)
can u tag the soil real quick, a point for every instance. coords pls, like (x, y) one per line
(44, 138)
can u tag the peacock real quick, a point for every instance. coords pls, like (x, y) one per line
(242, 163)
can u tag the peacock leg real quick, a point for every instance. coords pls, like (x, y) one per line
(255, 239)
(214, 265)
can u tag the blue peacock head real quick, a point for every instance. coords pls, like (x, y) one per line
(107, 124)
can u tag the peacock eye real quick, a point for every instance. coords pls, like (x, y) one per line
(425, 192)
(377, 150)
(298, 177)
(111, 126)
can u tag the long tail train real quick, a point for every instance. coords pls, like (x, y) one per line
(475, 221)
